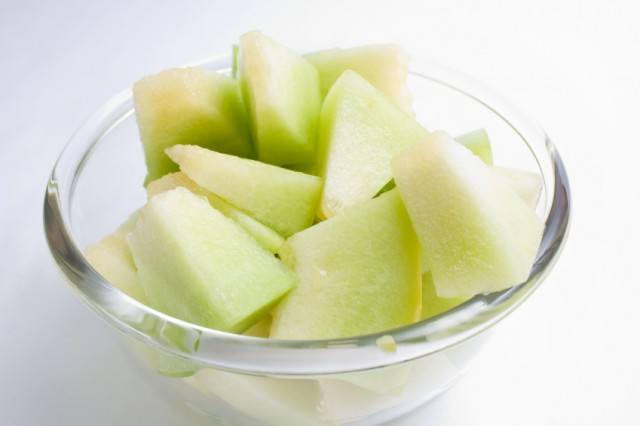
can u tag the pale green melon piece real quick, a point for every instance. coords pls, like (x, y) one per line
(189, 106)
(527, 185)
(234, 60)
(162, 362)
(360, 131)
(200, 266)
(359, 273)
(282, 91)
(282, 199)
(386, 381)
(269, 400)
(476, 233)
(260, 329)
(384, 66)
(265, 236)
(432, 304)
(478, 142)
(112, 259)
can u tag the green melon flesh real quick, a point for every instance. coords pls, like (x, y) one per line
(432, 304)
(266, 237)
(384, 66)
(282, 199)
(260, 329)
(359, 273)
(477, 235)
(360, 131)
(274, 401)
(282, 91)
(189, 105)
(478, 142)
(527, 185)
(112, 259)
(197, 265)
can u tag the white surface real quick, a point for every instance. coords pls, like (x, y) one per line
(569, 356)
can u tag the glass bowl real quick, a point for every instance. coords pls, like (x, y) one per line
(236, 379)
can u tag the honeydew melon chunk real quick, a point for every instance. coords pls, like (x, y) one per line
(527, 185)
(282, 91)
(200, 266)
(359, 273)
(162, 362)
(384, 66)
(189, 105)
(432, 304)
(360, 131)
(476, 234)
(234, 60)
(265, 236)
(284, 200)
(269, 400)
(112, 259)
(478, 142)
(260, 329)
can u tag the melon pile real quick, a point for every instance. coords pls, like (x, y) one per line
(300, 199)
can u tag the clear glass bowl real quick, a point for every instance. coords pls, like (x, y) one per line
(97, 183)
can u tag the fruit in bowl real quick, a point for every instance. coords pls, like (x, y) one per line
(308, 193)
(256, 241)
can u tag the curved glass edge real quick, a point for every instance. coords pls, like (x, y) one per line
(213, 348)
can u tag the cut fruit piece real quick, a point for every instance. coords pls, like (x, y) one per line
(234, 60)
(265, 236)
(360, 131)
(282, 91)
(260, 329)
(384, 66)
(477, 235)
(189, 105)
(163, 363)
(112, 259)
(478, 142)
(282, 199)
(385, 381)
(432, 304)
(271, 401)
(359, 273)
(527, 185)
(197, 265)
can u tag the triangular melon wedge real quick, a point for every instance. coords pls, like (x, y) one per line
(265, 236)
(200, 266)
(282, 199)
(432, 304)
(527, 185)
(477, 141)
(476, 233)
(360, 131)
(359, 273)
(384, 66)
(272, 401)
(189, 105)
(112, 259)
(282, 91)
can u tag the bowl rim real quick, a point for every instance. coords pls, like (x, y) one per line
(203, 346)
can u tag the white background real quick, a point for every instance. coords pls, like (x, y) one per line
(569, 356)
